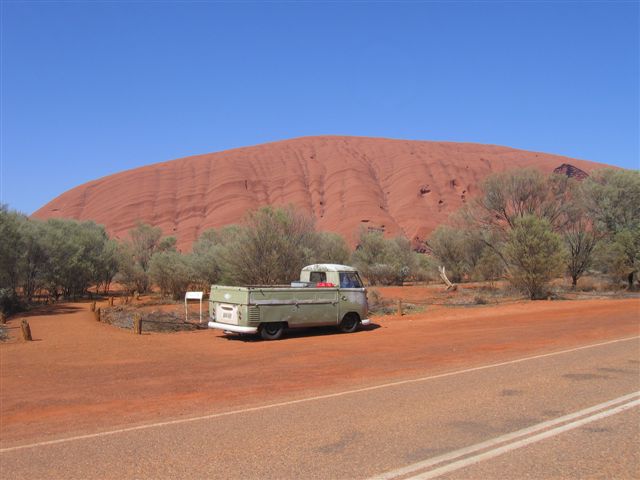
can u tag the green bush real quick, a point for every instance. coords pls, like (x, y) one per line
(535, 255)
(385, 261)
(171, 272)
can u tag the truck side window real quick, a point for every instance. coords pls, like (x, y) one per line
(317, 277)
(349, 280)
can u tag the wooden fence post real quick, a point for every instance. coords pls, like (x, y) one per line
(96, 314)
(26, 330)
(93, 306)
(111, 301)
(399, 308)
(137, 323)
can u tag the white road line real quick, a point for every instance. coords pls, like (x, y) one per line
(513, 436)
(522, 443)
(304, 400)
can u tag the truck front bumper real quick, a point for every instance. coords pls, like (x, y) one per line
(232, 328)
(365, 321)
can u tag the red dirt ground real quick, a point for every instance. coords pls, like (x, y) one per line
(79, 376)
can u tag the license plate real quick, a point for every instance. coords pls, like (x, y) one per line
(227, 314)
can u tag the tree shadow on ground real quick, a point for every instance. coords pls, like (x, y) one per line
(49, 310)
(292, 333)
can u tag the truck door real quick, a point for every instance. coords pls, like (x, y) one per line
(352, 296)
(317, 306)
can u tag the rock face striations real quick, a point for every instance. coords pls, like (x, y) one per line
(571, 171)
(347, 183)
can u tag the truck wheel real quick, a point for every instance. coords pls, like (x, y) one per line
(271, 331)
(349, 323)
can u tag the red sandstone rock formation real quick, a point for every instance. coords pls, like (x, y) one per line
(571, 171)
(401, 187)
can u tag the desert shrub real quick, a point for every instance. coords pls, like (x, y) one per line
(130, 273)
(448, 246)
(611, 197)
(611, 201)
(385, 261)
(205, 259)
(270, 248)
(171, 272)
(480, 300)
(580, 243)
(592, 284)
(403, 259)
(460, 250)
(535, 255)
(330, 247)
(62, 256)
(619, 256)
(145, 240)
(10, 248)
(10, 303)
(374, 297)
(73, 252)
(34, 258)
(509, 196)
(106, 266)
(426, 268)
(381, 274)
(134, 255)
(490, 266)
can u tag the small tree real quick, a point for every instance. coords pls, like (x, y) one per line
(458, 251)
(490, 266)
(509, 196)
(73, 250)
(135, 255)
(620, 255)
(271, 248)
(385, 261)
(372, 250)
(403, 259)
(10, 248)
(534, 254)
(329, 247)
(130, 273)
(171, 272)
(106, 266)
(580, 243)
(144, 241)
(205, 259)
(611, 198)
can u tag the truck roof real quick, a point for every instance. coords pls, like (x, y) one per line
(328, 267)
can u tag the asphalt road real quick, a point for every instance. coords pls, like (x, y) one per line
(567, 414)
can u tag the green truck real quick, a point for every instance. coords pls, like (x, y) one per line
(326, 294)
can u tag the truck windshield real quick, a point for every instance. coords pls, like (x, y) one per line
(350, 280)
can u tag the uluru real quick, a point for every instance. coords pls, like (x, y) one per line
(400, 187)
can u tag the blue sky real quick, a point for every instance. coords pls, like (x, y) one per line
(93, 88)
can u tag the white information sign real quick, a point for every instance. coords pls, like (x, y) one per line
(192, 296)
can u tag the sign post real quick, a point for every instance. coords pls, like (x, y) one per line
(192, 296)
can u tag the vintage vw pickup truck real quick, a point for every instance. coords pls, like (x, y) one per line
(326, 294)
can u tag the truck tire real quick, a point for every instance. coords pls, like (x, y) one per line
(271, 331)
(349, 323)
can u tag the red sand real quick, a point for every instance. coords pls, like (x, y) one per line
(79, 376)
(404, 187)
